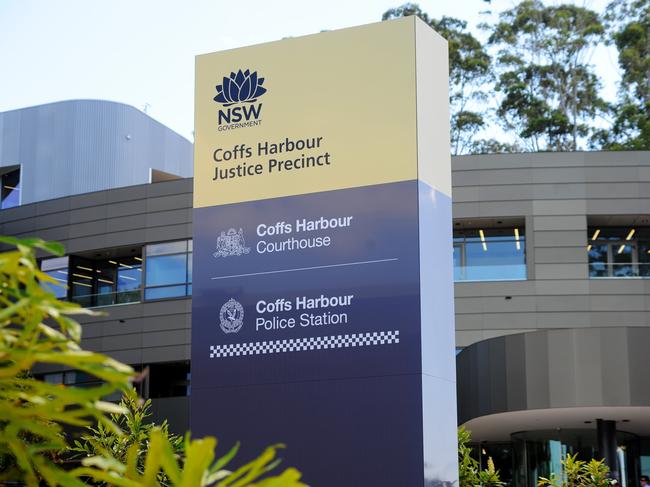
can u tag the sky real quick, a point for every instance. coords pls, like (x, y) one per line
(141, 52)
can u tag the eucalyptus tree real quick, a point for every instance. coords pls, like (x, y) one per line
(629, 29)
(469, 73)
(549, 91)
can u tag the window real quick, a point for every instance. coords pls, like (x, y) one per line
(77, 378)
(618, 251)
(72, 378)
(10, 194)
(168, 269)
(170, 379)
(57, 269)
(489, 254)
(105, 282)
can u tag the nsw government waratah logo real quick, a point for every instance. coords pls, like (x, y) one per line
(241, 88)
(231, 316)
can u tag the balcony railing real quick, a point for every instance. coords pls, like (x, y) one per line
(107, 299)
(605, 270)
(502, 272)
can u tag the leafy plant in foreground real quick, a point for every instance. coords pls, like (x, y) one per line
(469, 472)
(577, 473)
(36, 328)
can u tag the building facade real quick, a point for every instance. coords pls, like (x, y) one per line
(552, 268)
(79, 146)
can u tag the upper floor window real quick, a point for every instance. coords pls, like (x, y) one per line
(619, 251)
(105, 281)
(118, 276)
(57, 269)
(485, 253)
(168, 269)
(10, 191)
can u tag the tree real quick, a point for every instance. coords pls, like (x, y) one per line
(549, 91)
(469, 72)
(628, 22)
(36, 328)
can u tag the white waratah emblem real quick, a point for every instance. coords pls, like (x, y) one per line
(231, 316)
(231, 243)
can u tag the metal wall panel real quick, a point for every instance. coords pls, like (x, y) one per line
(556, 193)
(81, 146)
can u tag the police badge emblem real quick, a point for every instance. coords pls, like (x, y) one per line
(231, 316)
(231, 243)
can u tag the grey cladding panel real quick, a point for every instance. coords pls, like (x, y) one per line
(559, 222)
(82, 146)
(561, 368)
(567, 238)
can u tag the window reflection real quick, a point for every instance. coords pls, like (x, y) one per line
(105, 282)
(57, 269)
(619, 251)
(489, 254)
(168, 270)
(10, 194)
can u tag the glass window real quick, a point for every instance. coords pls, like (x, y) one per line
(106, 282)
(82, 277)
(168, 270)
(53, 378)
(165, 292)
(129, 280)
(598, 260)
(10, 195)
(622, 262)
(489, 254)
(169, 379)
(57, 269)
(167, 248)
(72, 378)
(644, 259)
(619, 252)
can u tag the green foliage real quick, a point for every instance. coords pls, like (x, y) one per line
(537, 60)
(36, 328)
(577, 473)
(469, 472)
(134, 429)
(469, 72)
(199, 467)
(629, 25)
(550, 93)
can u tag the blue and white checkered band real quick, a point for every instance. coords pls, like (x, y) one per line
(305, 344)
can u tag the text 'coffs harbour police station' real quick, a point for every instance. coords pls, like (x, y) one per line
(232, 162)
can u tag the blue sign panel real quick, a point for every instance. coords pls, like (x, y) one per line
(308, 328)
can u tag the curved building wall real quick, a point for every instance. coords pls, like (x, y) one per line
(567, 368)
(79, 146)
